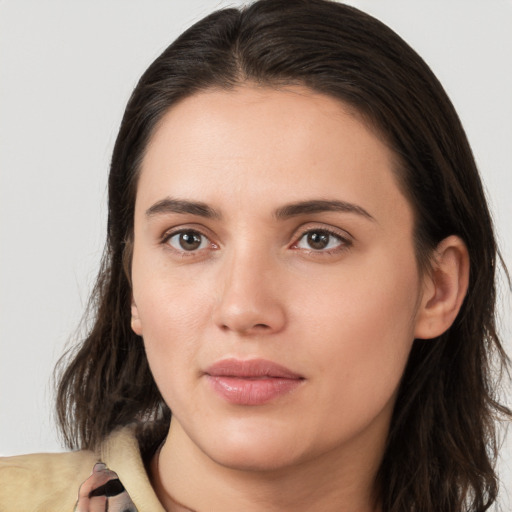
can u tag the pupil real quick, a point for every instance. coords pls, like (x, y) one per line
(318, 240)
(190, 240)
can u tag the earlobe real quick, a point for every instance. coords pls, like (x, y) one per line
(135, 322)
(444, 289)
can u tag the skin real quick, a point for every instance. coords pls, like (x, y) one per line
(343, 317)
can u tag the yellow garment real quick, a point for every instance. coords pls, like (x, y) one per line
(49, 482)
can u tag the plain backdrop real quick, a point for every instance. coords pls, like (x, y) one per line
(66, 71)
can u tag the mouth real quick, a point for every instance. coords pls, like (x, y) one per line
(251, 382)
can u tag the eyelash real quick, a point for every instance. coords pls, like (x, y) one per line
(344, 242)
(183, 252)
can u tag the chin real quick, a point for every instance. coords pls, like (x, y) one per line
(265, 450)
(259, 459)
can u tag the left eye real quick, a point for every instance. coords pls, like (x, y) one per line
(188, 240)
(319, 240)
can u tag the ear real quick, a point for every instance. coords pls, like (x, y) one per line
(135, 323)
(444, 289)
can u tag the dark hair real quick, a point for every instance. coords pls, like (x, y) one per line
(442, 442)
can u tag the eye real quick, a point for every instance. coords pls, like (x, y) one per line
(188, 240)
(321, 240)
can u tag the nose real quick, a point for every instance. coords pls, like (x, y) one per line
(250, 295)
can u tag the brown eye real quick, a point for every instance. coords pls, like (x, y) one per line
(188, 241)
(319, 240)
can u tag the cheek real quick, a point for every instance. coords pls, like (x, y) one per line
(172, 312)
(362, 325)
(168, 297)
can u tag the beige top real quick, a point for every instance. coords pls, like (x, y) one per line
(49, 482)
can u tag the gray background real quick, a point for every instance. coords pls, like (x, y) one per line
(66, 71)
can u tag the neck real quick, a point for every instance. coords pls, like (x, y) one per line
(186, 479)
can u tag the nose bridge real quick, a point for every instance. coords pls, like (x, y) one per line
(248, 290)
(245, 262)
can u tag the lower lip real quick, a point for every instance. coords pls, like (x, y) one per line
(246, 391)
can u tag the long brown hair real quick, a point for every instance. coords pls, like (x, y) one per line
(442, 442)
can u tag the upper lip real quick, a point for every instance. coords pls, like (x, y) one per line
(250, 368)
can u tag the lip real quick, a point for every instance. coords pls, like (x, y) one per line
(251, 382)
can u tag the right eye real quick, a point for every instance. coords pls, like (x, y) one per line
(188, 240)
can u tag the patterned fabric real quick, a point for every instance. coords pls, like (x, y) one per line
(103, 492)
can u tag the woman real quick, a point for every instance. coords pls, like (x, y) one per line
(300, 266)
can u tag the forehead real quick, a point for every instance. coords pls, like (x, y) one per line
(293, 110)
(256, 143)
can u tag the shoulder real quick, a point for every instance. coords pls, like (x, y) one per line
(43, 481)
(51, 482)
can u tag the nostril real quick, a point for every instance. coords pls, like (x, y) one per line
(246, 328)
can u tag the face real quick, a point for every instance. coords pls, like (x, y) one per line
(274, 277)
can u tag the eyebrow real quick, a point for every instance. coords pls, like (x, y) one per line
(183, 206)
(318, 206)
(170, 205)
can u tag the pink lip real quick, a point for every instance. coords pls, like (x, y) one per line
(251, 382)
